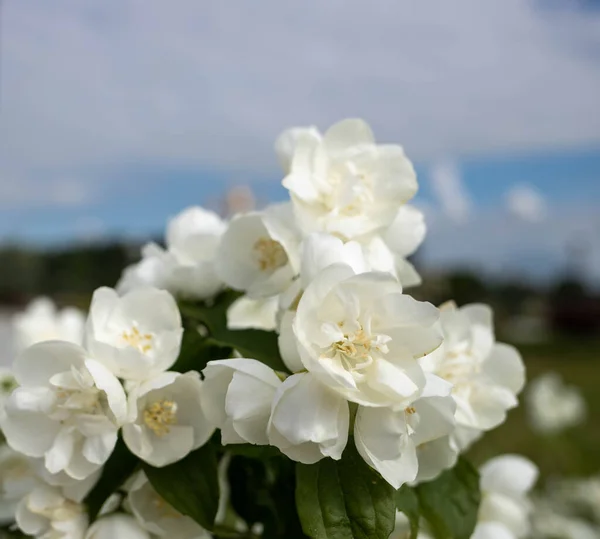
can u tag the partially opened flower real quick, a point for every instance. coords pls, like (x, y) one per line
(345, 184)
(157, 516)
(166, 418)
(137, 335)
(362, 337)
(237, 397)
(117, 526)
(47, 513)
(308, 420)
(258, 252)
(486, 375)
(42, 321)
(412, 443)
(17, 478)
(505, 483)
(67, 409)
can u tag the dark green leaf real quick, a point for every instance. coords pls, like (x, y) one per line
(344, 499)
(407, 501)
(250, 343)
(116, 471)
(190, 485)
(253, 451)
(197, 351)
(450, 502)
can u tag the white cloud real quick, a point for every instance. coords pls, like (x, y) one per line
(526, 202)
(20, 192)
(450, 191)
(212, 83)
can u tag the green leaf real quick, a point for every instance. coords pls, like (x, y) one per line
(450, 502)
(407, 501)
(344, 499)
(250, 343)
(190, 485)
(116, 471)
(197, 351)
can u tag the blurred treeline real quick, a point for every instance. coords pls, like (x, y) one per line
(70, 274)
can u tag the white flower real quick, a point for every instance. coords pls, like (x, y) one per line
(17, 478)
(237, 397)
(157, 516)
(553, 406)
(186, 267)
(117, 526)
(166, 418)
(259, 252)
(345, 184)
(46, 513)
(491, 530)
(246, 313)
(411, 443)
(67, 409)
(137, 335)
(505, 482)
(308, 421)
(486, 375)
(361, 336)
(285, 145)
(41, 321)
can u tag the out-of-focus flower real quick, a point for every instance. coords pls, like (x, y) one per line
(309, 421)
(258, 253)
(117, 526)
(66, 409)
(42, 321)
(411, 443)
(549, 521)
(138, 335)
(553, 406)
(186, 268)
(486, 375)
(17, 478)
(166, 418)
(157, 516)
(237, 397)
(362, 337)
(46, 512)
(505, 483)
(345, 184)
(8, 384)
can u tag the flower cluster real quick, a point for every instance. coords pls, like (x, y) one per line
(363, 363)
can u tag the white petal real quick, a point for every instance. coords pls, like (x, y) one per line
(117, 525)
(288, 345)
(505, 366)
(492, 530)
(347, 133)
(406, 232)
(247, 312)
(509, 474)
(108, 382)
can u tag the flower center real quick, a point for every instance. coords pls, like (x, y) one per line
(270, 254)
(164, 509)
(358, 350)
(160, 415)
(136, 339)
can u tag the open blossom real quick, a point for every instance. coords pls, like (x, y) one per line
(117, 526)
(42, 321)
(46, 512)
(237, 397)
(505, 483)
(166, 418)
(259, 252)
(67, 409)
(157, 516)
(412, 443)
(17, 478)
(486, 375)
(186, 267)
(553, 406)
(345, 184)
(308, 420)
(137, 335)
(361, 336)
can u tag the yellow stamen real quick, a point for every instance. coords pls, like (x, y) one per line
(160, 415)
(270, 254)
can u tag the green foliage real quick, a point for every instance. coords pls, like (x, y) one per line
(450, 502)
(250, 343)
(407, 501)
(190, 485)
(116, 471)
(197, 351)
(344, 499)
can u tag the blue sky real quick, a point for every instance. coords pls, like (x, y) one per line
(116, 115)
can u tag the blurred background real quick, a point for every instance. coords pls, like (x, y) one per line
(116, 115)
